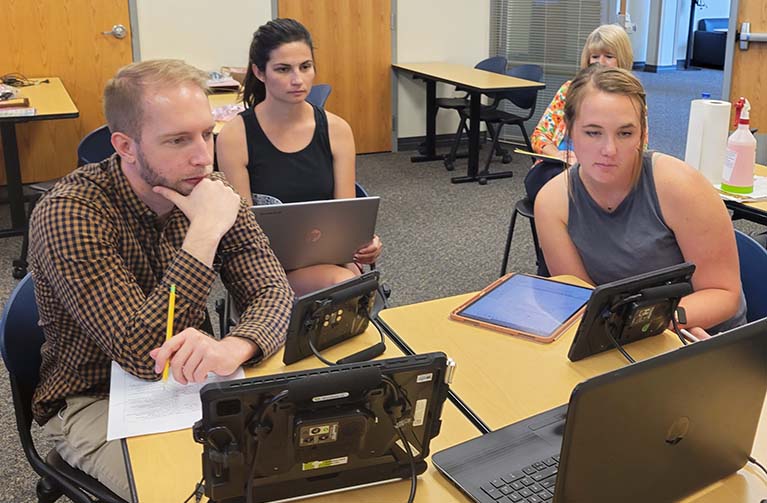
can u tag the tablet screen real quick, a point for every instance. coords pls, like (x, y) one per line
(528, 304)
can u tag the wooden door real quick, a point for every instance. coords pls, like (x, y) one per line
(352, 52)
(749, 67)
(55, 38)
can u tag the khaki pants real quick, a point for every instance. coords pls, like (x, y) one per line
(79, 433)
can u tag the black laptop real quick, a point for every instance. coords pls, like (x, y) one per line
(653, 431)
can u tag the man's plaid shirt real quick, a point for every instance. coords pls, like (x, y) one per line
(103, 263)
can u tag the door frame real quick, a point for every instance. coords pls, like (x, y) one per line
(135, 45)
(729, 55)
(729, 49)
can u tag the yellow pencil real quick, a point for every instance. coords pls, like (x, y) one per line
(169, 330)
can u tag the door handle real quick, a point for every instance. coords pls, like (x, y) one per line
(118, 31)
(745, 36)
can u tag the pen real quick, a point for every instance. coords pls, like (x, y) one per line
(169, 329)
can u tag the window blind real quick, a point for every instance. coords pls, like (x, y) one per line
(549, 33)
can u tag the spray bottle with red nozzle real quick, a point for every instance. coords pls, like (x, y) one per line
(738, 173)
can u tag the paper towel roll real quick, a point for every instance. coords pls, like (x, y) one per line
(707, 137)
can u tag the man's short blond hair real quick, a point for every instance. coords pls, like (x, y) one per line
(124, 93)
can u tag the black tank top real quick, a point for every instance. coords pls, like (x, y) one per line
(306, 175)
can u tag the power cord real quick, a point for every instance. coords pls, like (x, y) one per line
(757, 463)
(372, 352)
(258, 430)
(199, 490)
(398, 423)
(16, 80)
(610, 326)
(681, 315)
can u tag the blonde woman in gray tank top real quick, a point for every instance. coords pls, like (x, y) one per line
(622, 211)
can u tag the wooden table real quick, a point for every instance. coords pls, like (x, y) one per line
(167, 466)
(51, 101)
(473, 81)
(503, 379)
(753, 212)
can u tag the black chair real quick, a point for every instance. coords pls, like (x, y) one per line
(494, 115)
(95, 146)
(319, 95)
(524, 207)
(20, 342)
(495, 64)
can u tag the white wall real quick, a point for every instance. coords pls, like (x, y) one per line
(206, 37)
(454, 31)
(713, 8)
(457, 31)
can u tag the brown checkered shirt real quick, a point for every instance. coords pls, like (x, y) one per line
(103, 263)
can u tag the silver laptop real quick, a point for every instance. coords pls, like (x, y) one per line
(318, 232)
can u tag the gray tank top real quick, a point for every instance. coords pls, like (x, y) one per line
(631, 240)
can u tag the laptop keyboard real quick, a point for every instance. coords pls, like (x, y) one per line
(532, 484)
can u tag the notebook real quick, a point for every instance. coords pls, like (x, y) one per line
(318, 232)
(656, 430)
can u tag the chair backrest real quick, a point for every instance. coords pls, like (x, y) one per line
(319, 95)
(20, 335)
(95, 147)
(359, 190)
(20, 341)
(753, 270)
(496, 64)
(524, 99)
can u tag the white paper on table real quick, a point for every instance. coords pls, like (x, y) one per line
(759, 193)
(138, 407)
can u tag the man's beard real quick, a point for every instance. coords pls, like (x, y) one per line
(152, 178)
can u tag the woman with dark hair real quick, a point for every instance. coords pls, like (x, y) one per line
(622, 210)
(284, 147)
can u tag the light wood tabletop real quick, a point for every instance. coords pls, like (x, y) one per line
(467, 77)
(504, 379)
(167, 466)
(49, 99)
(759, 170)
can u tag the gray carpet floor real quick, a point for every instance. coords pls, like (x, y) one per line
(439, 239)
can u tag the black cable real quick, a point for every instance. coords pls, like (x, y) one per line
(609, 329)
(249, 484)
(677, 331)
(398, 423)
(198, 491)
(757, 463)
(411, 459)
(330, 363)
